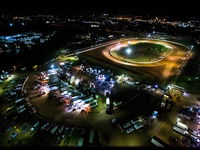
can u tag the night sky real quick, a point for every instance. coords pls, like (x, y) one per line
(132, 7)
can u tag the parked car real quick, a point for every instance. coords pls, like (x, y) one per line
(44, 126)
(138, 125)
(129, 130)
(54, 129)
(126, 125)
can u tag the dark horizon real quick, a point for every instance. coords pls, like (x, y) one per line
(98, 11)
(169, 8)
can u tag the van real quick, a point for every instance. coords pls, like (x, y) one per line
(91, 139)
(180, 130)
(182, 126)
(158, 142)
(80, 142)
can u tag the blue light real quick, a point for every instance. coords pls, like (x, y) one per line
(52, 66)
(155, 114)
(156, 86)
(10, 24)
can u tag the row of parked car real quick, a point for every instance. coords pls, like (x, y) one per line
(191, 114)
(56, 132)
(15, 98)
(132, 125)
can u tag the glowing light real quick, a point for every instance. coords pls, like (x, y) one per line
(117, 47)
(107, 101)
(169, 87)
(121, 78)
(186, 94)
(182, 125)
(72, 79)
(87, 109)
(45, 89)
(101, 78)
(62, 63)
(178, 119)
(8, 108)
(52, 66)
(128, 51)
(77, 81)
(10, 24)
(155, 114)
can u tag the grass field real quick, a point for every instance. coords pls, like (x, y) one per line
(188, 85)
(67, 58)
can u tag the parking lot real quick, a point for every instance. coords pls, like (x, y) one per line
(64, 102)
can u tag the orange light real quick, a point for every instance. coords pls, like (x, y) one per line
(88, 109)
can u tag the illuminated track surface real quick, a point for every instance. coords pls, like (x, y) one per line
(162, 69)
(172, 55)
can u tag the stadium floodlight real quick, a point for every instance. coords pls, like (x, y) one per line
(128, 51)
